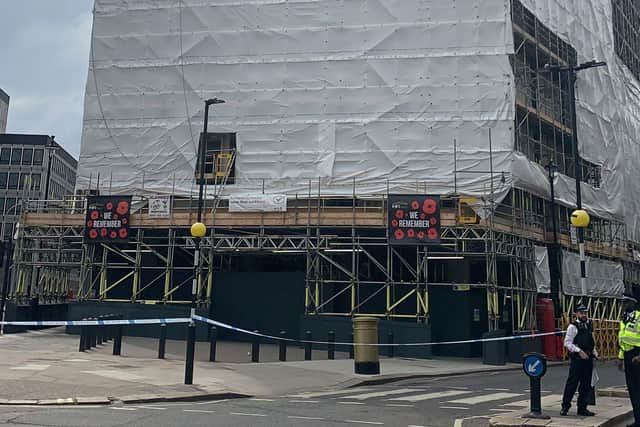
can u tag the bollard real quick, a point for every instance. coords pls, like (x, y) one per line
(367, 359)
(283, 347)
(391, 346)
(117, 341)
(213, 339)
(331, 347)
(351, 347)
(307, 345)
(83, 338)
(255, 348)
(162, 344)
(99, 332)
(94, 337)
(534, 366)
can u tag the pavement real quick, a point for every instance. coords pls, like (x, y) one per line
(44, 367)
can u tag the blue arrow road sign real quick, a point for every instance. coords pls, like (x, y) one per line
(534, 365)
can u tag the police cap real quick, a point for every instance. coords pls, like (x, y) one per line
(581, 308)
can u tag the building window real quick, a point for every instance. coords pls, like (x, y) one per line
(10, 206)
(626, 33)
(13, 181)
(8, 231)
(5, 155)
(35, 181)
(38, 154)
(3, 182)
(27, 156)
(16, 156)
(219, 167)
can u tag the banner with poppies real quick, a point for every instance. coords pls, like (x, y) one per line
(108, 219)
(414, 220)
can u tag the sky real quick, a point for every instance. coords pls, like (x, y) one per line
(44, 58)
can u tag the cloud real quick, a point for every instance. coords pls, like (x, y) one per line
(45, 62)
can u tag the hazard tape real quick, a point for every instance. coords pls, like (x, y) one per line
(99, 322)
(416, 344)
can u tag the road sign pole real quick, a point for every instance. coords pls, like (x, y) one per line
(534, 366)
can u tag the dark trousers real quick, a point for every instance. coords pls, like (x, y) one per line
(579, 378)
(632, 375)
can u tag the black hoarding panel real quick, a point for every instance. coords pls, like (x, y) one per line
(414, 220)
(107, 219)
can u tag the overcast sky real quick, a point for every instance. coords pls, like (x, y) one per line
(44, 57)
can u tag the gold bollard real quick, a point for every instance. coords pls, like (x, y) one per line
(365, 331)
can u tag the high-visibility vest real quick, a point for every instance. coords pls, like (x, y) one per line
(629, 335)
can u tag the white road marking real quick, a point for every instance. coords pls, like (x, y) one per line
(262, 400)
(248, 415)
(157, 408)
(459, 388)
(350, 403)
(484, 398)
(198, 411)
(30, 367)
(396, 405)
(427, 396)
(376, 423)
(304, 401)
(546, 401)
(379, 394)
(497, 389)
(501, 410)
(413, 425)
(330, 393)
(293, 417)
(124, 409)
(454, 407)
(209, 402)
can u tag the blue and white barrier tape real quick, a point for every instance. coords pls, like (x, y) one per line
(416, 344)
(99, 322)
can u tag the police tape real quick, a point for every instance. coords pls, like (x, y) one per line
(98, 322)
(416, 344)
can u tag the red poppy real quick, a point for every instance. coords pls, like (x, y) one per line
(432, 233)
(89, 224)
(415, 205)
(399, 214)
(123, 208)
(95, 215)
(109, 206)
(411, 233)
(420, 235)
(423, 216)
(103, 232)
(124, 220)
(399, 234)
(114, 217)
(123, 233)
(93, 234)
(113, 235)
(433, 221)
(429, 206)
(394, 223)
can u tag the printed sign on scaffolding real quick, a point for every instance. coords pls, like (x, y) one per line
(414, 220)
(107, 219)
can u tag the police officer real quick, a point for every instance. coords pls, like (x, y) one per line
(581, 346)
(629, 356)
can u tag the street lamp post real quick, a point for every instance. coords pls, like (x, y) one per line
(50, 149)
(7, 253)
(554, 248)
(572, 71)
(198, 231)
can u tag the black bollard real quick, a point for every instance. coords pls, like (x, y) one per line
(390, 351)
(351, 347)
(283, 347)
(94, 335)
(162, 344)
(255, 348)
(117, 341)
(83, 338)
(213, 340)
(307, 345)
(331, 347)
(99, 332)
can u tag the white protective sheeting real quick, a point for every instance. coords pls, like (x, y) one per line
(364, 90)
(608, 110)
(604, 278)
(344, 91)
(542, 272)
